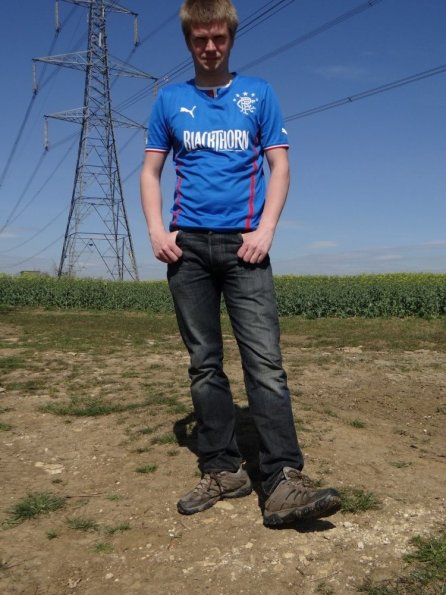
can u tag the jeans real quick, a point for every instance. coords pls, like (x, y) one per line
(209, 268)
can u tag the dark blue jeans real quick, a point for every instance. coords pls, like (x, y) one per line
(209, 268)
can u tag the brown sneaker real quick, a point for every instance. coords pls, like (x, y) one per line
(213, 487)
(294, 499)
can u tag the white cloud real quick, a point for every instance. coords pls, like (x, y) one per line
(435, 243)
(409, 258)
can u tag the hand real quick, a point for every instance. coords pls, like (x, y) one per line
(256, 245)
(165, 247)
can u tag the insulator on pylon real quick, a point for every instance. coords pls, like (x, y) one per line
(56, 16)
(35, 87)
(135, 32)
(46, 144)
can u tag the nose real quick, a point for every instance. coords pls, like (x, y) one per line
(210, 46)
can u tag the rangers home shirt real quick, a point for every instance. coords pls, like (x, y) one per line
(218, 146)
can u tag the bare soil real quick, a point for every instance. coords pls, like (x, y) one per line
(395, 448)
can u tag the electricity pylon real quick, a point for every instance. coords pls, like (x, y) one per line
(97, 222)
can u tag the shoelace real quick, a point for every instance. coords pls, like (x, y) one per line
(300, 480)
(205, 482)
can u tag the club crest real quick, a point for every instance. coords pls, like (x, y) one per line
(246, 102)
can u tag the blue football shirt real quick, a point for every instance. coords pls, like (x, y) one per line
(218, 146)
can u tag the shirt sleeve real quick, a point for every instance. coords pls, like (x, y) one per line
(272, 129)
(158, 137)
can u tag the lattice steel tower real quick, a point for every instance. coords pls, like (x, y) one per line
(97, 223)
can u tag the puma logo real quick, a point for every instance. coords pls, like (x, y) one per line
(189, 111)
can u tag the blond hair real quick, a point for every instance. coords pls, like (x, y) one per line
(204, 12)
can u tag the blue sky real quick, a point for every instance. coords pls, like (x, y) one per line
(368, 178)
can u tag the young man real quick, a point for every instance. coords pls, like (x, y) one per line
(220, 126)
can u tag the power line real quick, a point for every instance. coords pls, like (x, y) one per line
(11, 217)
(265, 12)
(38, 232)
(250, 22)
(17, 141)
(259, 20)
(321, 29)
(28, 111)
(375, 91)
(28, 184)
(36, 254)
(248, 26)
(152, 34)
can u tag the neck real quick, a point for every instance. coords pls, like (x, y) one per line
(208, 79)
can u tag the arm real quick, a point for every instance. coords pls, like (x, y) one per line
(163, 242)
(256, 244)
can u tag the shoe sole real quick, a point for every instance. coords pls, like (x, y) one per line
(243, 491)
(325, 507)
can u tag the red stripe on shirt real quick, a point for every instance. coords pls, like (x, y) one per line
(177, 212)
(252, 189)
(277, 147)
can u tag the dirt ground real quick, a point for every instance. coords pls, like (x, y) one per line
(370, 419)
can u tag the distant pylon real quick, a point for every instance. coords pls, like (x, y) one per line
(97, 222)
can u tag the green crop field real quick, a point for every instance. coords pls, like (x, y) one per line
(370, 296)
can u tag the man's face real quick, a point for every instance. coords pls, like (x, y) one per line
(210, 46)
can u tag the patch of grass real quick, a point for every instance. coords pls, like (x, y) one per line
(358, 500)
(147, 430)
(33, 505)
(28, 386)
(179, 408)
(168, 438)
(166, 400)
(400, 464)
(431, 552)
(88, 407)
(329, 412)
(324, 589)
(377, 589)
(5, 427)
(101, 332)
(146, 468)
(82, 524)
(11, 363)
(51, 535)
(357, 423)
(117, 528)
(114, 497)
(427, 570)
(131, 374)
(173, 452)
(6, 409)
(376, 333)
(143, 449)
(103, 548)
